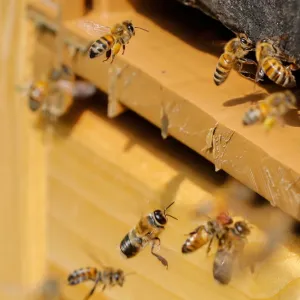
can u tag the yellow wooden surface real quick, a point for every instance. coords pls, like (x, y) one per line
(23, 164)
(101, 176)
(104, 174)
(191, 102)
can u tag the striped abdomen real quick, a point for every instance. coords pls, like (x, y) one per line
(101, 46)
(131, 244)
(278, 73)
(195, 241)
(82, 275)
(224, 66)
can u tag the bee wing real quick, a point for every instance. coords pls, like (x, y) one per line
(168, 194)
(223, 266)
(93, 28)
(83, 89)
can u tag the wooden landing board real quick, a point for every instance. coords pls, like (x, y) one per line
(158, 77)
(104, 174)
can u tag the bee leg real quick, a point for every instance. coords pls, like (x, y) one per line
(108, 55)
(115, 50)
(209, 245)
(92, 290)
(104, 287)
(195, 231)
(156, 242)
(293, 67)
(124, 47)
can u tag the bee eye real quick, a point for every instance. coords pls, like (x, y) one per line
(159, 217)
(244, 41)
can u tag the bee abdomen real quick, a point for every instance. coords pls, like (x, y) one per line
(82, 275)
(282, 76)
(223, 68)
(127, 247)
(187, 248)
(101, 46)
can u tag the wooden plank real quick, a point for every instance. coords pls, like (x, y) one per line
(193, 105)
(112, 174)
(23, 164)
(103, 7)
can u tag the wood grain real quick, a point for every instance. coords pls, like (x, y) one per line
(102, 187)
(23, 164)
(166, 69)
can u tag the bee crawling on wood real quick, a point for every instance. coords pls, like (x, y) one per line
(108, 277)
(271, 109)
(231, 245)
(207, 233)
(146, 231)
(113, 39)
(270, 62)
(233, 57)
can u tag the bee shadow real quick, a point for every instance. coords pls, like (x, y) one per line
(292, 118)
(253, 97)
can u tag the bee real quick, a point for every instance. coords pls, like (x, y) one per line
(108, 277)
(269, 58)
(207, 233)
(233, 57)
(37, 94)
(146, 231)
(271, 109)
(231, 244)
(54, 95)
(113, 39)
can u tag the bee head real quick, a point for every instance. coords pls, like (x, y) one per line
(128, 24)
(246, 43)
(242, 228)
(160, 217)
(119, 277)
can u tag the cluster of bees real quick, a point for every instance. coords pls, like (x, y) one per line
(270, 61)
(231, 235)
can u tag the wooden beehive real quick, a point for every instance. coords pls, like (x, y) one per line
(80, 188)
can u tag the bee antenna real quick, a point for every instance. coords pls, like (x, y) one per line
(169, 206)
(141, 28)
(171, 217)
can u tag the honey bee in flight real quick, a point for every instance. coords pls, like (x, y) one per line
(54, 94)
(113, 39)
(146, 231)
(269, 58)
(273, 108)
(233, 57)
(207, 233)
(108, 277)
(41, 90)
(231, 245)
(37, 93)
